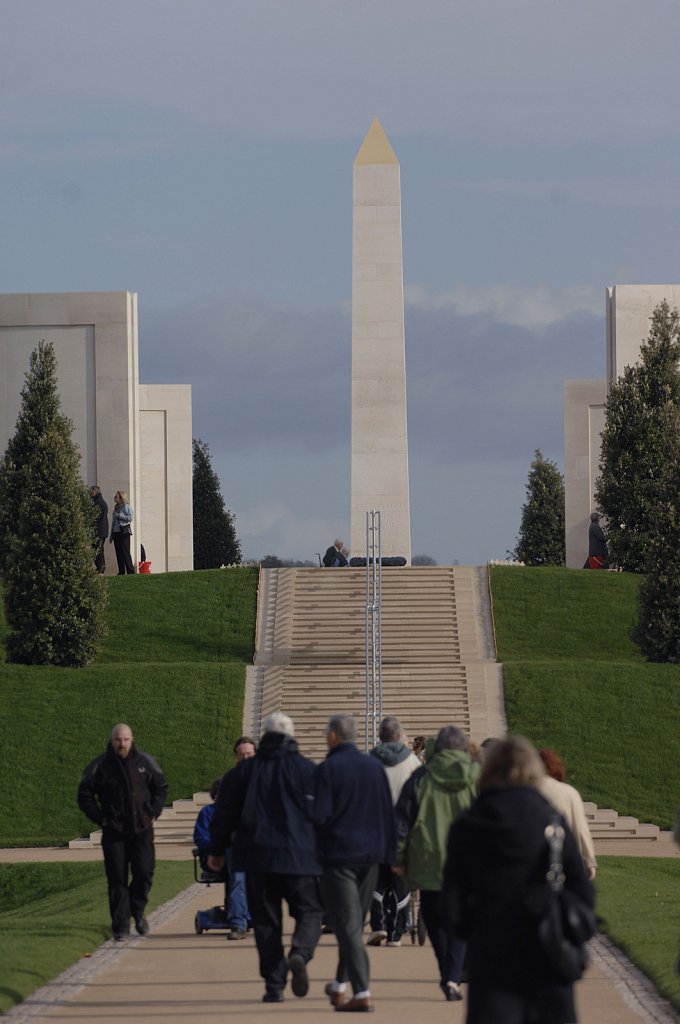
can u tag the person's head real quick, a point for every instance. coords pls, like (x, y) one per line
(342, 728)
(451, 738)
(278, 722)
(595, 517)
(95, 491)
(215, 788)
(391, 730)
(121, 739)
(120, 497)
(511, 762)
(339, 543)
(244, 748)
(554, 765)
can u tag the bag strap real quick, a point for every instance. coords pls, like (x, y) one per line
(554, 834)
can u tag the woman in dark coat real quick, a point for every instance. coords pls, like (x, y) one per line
(495, 890)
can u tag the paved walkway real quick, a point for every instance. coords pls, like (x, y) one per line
(175, 975)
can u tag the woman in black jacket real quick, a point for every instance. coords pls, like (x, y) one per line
(496, 892)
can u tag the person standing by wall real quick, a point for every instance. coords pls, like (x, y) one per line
(598, 552)
(124, 791)
(121, 531)
(101, 528)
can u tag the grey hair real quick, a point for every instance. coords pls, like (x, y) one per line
(391, 729)
(278, 722)
(344, 726)
(451, 738)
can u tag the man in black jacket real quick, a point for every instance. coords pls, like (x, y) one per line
(124, 791)
(351, 806)
(261, 806)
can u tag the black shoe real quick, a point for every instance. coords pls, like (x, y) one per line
(142, 926)
(452, 992)
(299, 981)
(272, 996)
(120, 936)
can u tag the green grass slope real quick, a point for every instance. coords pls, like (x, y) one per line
(173, 667)
(575, 682)
(637, 902)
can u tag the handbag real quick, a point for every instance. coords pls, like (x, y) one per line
(126, 530)
(568, 922)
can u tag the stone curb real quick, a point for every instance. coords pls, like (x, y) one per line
(635, 988)
(61, 989)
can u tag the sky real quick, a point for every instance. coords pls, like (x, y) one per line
(200, 154)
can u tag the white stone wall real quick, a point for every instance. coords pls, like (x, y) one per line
(584, 405)
(166, 474)
(629, 314)
(131, 438)
(95, 343)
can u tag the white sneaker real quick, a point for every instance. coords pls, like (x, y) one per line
(375, 938)
(394, 942)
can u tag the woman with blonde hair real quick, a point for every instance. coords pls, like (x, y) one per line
(496, 892)
(121, 531)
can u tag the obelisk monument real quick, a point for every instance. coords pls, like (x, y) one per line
(379, 435)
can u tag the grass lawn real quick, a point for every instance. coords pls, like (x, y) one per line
(173, 666)
(637, 899)
(53, 914)
(575, 682)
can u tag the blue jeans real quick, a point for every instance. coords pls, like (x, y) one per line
(237, 903)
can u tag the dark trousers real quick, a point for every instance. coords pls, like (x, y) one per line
(448, 948)
(347, 890)
(99, 556)
(125, 855)
(121, 542)
(389, 907)
(266, 891)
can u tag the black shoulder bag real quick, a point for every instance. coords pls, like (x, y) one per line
(568, 922)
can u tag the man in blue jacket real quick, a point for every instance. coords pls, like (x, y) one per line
(262, 803)
(351, 806)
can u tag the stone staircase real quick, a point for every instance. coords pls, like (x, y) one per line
(310, 649)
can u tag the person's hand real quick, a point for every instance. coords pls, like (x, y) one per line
(110, 540)
(215, 863)
(399, 869)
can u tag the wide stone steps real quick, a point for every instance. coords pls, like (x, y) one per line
(174, 827)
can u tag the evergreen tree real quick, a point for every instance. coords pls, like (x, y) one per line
(638, 447)
(215, 541)
(541, 532)
(54, 599)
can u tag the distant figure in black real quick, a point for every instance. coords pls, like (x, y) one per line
(598, 554)
(101, 528)
(335, 556)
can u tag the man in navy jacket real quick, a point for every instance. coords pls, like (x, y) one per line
(351, 806)
(262, 805)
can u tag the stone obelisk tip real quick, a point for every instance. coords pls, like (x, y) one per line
(376, 148)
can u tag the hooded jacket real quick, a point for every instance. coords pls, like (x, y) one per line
(124, 794)
(261, 808)
(495, 892)
(399, 763)
(430, 802)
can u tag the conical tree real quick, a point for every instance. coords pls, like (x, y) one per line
(637, 446)
(215, 541)
(541, 532)
(54, 599)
